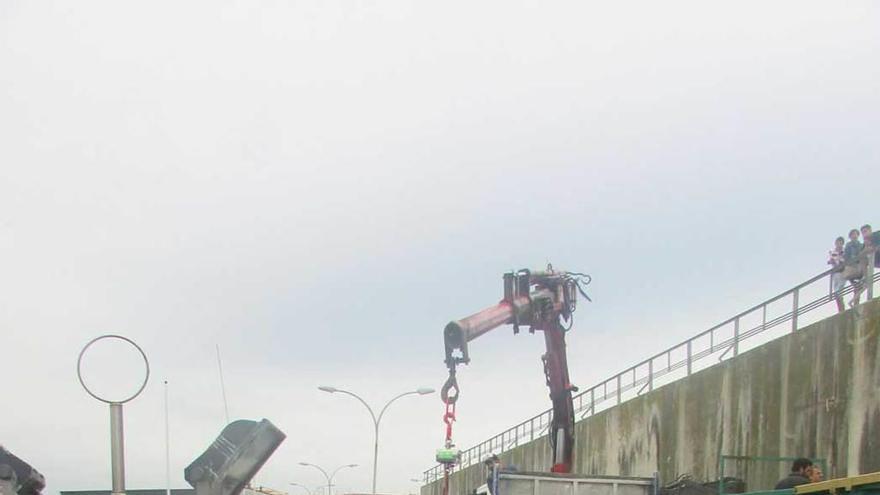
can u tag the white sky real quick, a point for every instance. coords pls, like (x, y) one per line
(319, 186)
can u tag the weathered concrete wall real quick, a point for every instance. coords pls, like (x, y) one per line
(814, 393)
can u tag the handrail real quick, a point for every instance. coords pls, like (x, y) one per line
(615, 386)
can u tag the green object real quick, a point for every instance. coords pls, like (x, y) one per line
(448, 456)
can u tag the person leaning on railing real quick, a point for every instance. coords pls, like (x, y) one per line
(867, 260)
(854, 266)
(835, 259)
(872, 241)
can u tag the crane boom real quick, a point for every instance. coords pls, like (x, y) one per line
(542, 301)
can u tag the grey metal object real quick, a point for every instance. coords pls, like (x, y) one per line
(707, 347)
(124, 339)
(117, 449)
(234, 458)
(18, 477)
(117, 434)
(569, 484)
(8, 480)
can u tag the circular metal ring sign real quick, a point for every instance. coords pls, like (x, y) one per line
(124, 339)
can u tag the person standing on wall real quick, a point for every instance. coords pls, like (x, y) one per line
(835, 259)
(871, 253)
(872, 240)
(854, 267)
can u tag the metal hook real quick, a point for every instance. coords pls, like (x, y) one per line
(451, 385)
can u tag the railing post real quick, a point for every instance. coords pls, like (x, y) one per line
(736, 336)
(763, 317)
(592, 401)
(794, 310)
(650, 375)
(618, 389)
(690, 356)
(532, 428)
(869, 276)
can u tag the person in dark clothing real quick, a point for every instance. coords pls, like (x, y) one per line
(854, 265)
(493, 465)
(799, 475)
(872, 240)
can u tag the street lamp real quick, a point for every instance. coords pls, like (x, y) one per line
(330, 476)
(303, 487)
(376, 419)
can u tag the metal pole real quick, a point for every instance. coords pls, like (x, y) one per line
(117, 449)
(376, 419)
(376, 451)
(223, 387)
(690, 353)
(736, 337)
(167, 446)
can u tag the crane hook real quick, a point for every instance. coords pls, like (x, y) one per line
(451, 385)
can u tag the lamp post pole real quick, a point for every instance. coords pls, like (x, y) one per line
(329, 477)
(376, 419)
(303, 487)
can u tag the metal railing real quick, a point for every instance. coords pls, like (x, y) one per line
(726, 339)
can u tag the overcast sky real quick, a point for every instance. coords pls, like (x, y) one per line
(319, 186)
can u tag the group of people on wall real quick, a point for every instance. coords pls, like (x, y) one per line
(853, 262)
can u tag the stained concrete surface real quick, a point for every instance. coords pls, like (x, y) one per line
(813, 393)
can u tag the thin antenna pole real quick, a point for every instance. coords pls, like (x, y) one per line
(167, 446)
(222, 385)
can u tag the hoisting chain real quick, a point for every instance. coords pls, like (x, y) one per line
(449, 418)
(449, 394)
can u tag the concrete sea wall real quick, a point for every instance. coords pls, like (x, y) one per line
(813, 393)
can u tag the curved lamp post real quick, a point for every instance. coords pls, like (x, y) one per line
(303, 487)
(376, 419)
(330, 476)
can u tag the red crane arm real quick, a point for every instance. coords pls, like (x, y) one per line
(540, 300)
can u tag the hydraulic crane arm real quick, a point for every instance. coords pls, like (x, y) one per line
(542, 301)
